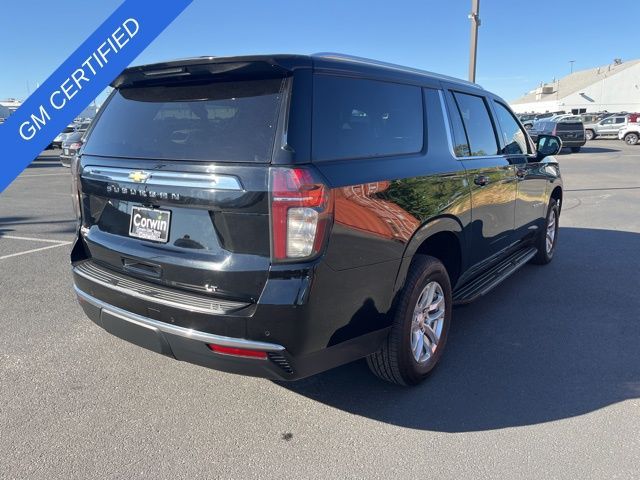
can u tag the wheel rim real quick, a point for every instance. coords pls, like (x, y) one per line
(551, 231)
(589, 135)
(632, 139)
(428, 320)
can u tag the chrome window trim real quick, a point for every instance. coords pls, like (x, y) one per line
(176, 330)
(211, 181)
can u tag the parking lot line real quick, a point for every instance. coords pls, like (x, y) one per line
(56, 243)
(34, 250)
(45, 240)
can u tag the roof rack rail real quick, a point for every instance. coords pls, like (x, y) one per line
(391, 66)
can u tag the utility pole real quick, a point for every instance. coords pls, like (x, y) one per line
(572, 62)
(474, 16)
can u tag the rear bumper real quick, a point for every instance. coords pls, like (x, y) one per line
(185, 344)
(179, 328)
(578, 142)
(65, 161)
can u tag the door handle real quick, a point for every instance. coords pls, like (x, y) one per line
(481, 180)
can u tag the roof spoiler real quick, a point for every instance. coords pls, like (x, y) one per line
(203, 67)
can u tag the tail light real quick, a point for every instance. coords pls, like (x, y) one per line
(301, 212)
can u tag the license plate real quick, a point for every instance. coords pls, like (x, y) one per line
(66, 151)
(150, 224)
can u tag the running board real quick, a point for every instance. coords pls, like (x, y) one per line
(488, 281)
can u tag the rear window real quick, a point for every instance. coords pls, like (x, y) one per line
(354, 118)
(217, 121)
(568, 126)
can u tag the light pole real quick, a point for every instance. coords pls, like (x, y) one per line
(474, 16)
(571, 62)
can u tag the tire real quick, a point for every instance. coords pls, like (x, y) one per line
(575, 149)
(545, 254)
(631, 138)
(395, 361)
(589, 134)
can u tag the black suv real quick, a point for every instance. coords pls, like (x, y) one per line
(281, 215)
(569, 128)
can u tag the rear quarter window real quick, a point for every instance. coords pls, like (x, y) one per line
(355, 118)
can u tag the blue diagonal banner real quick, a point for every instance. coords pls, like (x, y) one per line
(80, 79)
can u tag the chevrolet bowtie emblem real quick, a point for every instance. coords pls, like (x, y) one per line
(139, 176)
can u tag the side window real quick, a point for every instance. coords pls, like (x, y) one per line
(515, 140)
(460, 143)
(477, 124)
(365, 118)
(607, 121)
(619, 119)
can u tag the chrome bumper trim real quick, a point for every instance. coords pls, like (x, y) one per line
(156, 294)
(176, 330)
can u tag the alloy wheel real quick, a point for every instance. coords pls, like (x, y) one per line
(631, 138)
(428, 320)
(551, 231)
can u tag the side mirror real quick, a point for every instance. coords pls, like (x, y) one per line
(548, 145)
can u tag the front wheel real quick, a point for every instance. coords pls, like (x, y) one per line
(548, 238)
(589, 134)
(420, 325)
(631, 138)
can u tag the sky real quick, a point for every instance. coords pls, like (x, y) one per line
(521, 43)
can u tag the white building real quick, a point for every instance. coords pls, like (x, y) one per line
(612, 88)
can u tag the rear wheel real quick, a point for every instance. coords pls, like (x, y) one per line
(631, 138)
(575, 149)
(420, 326)
(589, 134)
(548, 238)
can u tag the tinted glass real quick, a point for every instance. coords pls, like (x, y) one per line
(364, 118)
(460, 143)
(218, 121)
(477, 123)
(619, 119)
(515, 140)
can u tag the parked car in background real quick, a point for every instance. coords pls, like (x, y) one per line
(281, 215)
(57, 142)
(69, 129)
(633, 117)
(607, 127)
(528, 123)
(70, 148)
(4, 113)
(569, 128)
(630, 134)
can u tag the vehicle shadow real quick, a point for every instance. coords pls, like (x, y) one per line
(586, 149)
(53, 163)
(553, 342)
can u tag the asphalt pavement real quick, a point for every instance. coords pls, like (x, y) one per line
(541, 378)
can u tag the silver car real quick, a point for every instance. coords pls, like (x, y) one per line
(607, 127)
